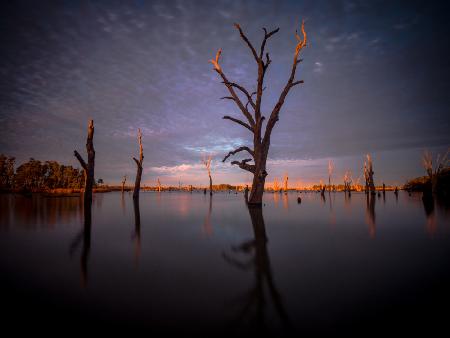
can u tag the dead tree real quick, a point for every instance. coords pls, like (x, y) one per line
(368, 174)
(88, 168)
(348, 182)
(276, 186)
(207, 163)
(137, 183)
(252, 109)
(330, 172)
(286, 179)
(159, 185)
(124, 180)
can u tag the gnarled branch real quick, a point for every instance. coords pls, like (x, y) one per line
(266, 36)
(242, 123)
(230, 86)
(274, 115)
(234, 152)
(245, 91)
(247, 41)
(243, 165)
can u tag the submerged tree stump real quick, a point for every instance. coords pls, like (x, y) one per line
(137, 183)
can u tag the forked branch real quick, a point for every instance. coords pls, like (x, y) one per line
(301, 43)
(231, 86)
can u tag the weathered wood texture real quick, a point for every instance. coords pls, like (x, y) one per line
(88, 168)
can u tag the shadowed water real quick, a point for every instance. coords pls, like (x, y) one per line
(182, 262)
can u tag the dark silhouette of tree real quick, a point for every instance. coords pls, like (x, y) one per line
(88, 167)
(124, 180)
(252, 109)
(137, 183)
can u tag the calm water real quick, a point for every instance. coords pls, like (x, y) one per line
(185, 262)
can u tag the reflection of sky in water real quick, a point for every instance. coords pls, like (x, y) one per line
(187, 257)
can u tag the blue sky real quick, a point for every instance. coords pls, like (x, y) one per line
(376, 81)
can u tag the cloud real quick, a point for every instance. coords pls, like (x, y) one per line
(318, 67)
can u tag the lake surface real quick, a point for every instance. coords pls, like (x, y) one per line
(188, 263)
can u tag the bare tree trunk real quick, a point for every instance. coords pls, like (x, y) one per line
(89, 167)
(137, 183)
(124, 180)
(258, 183)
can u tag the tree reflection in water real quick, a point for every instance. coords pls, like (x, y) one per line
(207, 227)
(428, 205)
(254, 301)
(84, 238)
(137, 230)
(370, 214)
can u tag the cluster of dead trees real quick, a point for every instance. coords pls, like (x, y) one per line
(250, 108)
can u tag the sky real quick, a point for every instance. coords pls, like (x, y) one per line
(376, 79)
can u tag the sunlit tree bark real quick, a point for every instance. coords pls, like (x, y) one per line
(207, 163)
(252, 109)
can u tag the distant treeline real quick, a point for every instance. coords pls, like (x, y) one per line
(35, 175)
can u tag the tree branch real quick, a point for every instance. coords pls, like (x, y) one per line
(230, 86)
(80, 159)
(234, 152)
(266, 37)
(243, 165)
(137, 162)
(296, 83)
(247, 42)
(274, 115)
(245, 91)
(242, 123)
